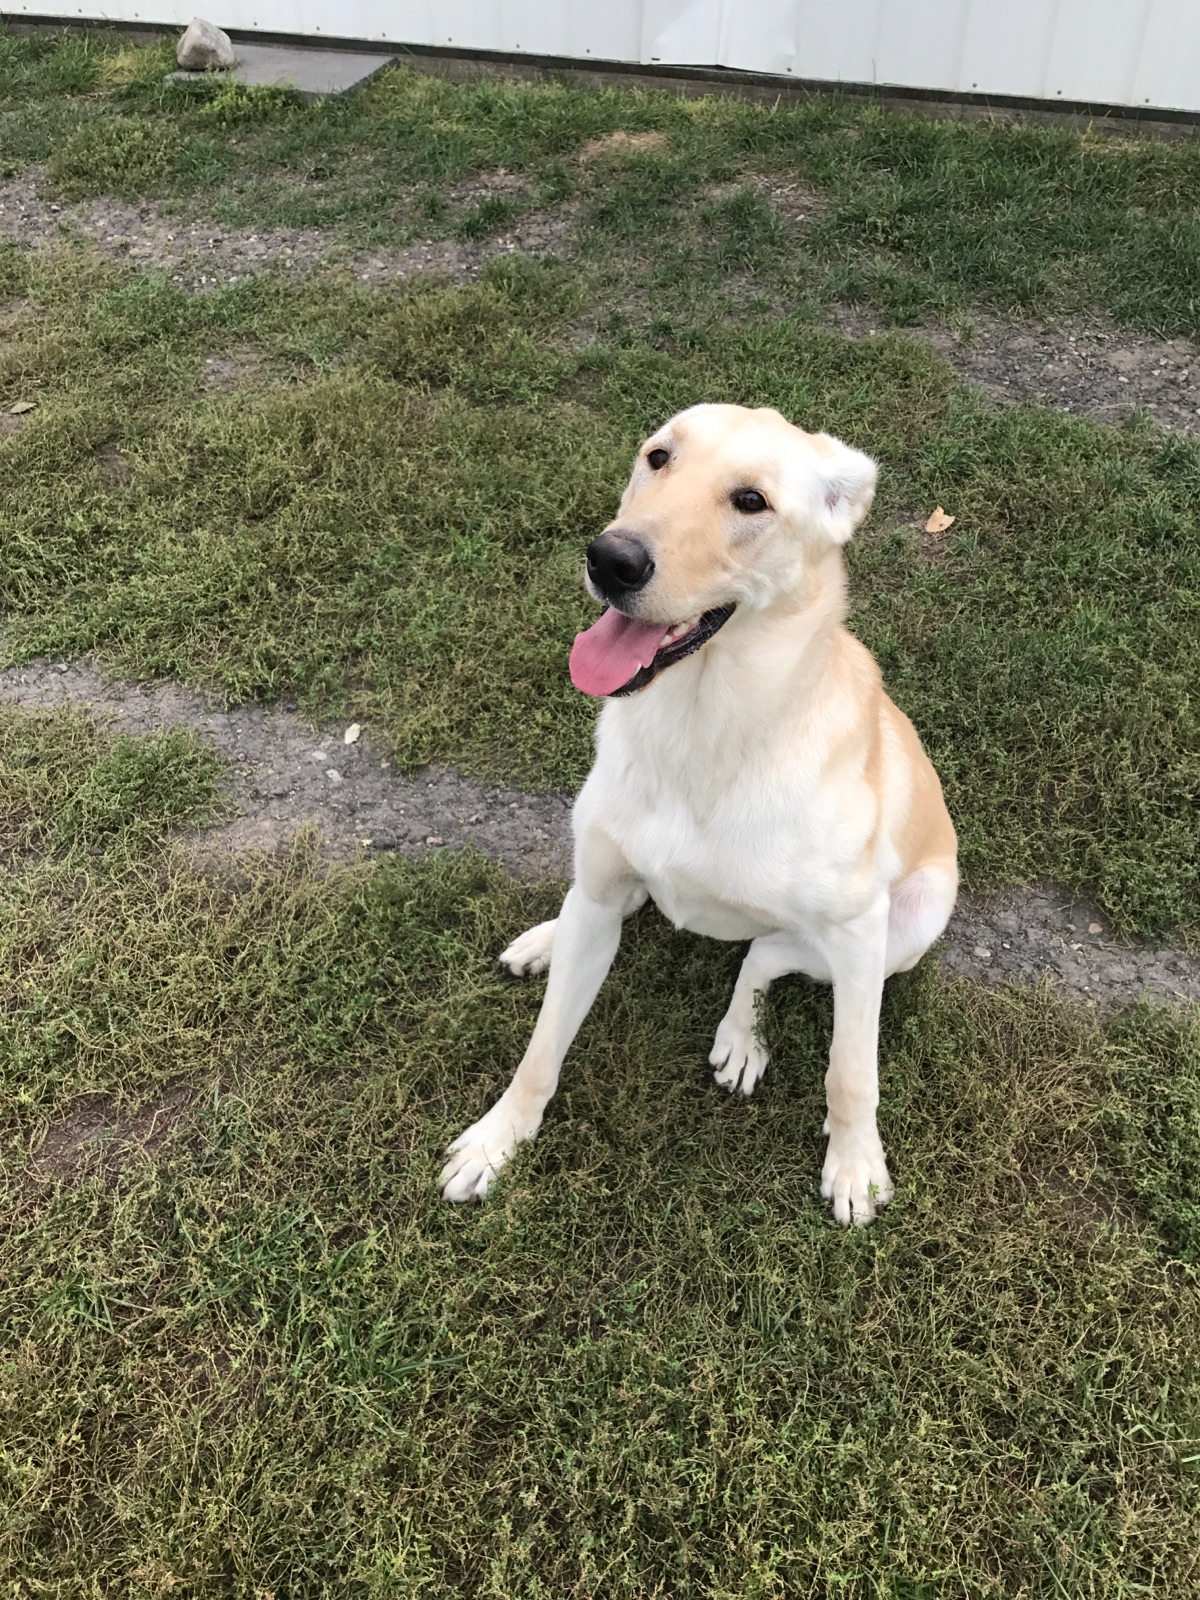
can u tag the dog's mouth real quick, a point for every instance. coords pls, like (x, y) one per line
(618, 656)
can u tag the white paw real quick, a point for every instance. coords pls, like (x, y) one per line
(531, 952)
(738, 1057)
(477, 1155)
(855, 1176)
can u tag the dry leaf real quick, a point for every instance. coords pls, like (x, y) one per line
(21, 407)
(352, 732)
(938, 522)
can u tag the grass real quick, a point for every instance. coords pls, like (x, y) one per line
(259, 1355)
(387, 520)
(244, 1348)
(918, 215)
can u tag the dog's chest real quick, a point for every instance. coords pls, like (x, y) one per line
(732, 867)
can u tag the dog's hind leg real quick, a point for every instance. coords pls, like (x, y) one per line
(738, 1053)
(531, 952)
(919, 912)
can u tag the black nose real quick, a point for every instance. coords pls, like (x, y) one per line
(619, 564)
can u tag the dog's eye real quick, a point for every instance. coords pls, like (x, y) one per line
(749, 501)
(658, 458)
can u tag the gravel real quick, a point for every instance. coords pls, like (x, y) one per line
(284, 774)
(204, 255)
(1078, 367)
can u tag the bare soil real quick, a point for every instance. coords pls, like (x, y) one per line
(1090, 370)
(204, 255)
(95, 1133)
(223, 373)
(620, 142)
(284, 774)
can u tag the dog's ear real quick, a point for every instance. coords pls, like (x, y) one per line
(847, 486)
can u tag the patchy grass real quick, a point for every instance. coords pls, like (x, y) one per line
(387, 519)
(385, 516)
(66, 787)
(915, 214)
(245, 1348)
(253, 1352)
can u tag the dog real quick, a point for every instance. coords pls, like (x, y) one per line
(751, 776)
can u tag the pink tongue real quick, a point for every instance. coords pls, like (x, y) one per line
(605, 657)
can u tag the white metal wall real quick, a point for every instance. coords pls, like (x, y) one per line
(1120, 52)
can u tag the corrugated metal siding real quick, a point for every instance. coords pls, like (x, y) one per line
(1143, 53)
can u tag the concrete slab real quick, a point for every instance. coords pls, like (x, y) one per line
(310, 71)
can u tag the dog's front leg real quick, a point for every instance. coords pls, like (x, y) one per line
(586, 937)
(855, 1175)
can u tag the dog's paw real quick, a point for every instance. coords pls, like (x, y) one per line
(738, 1057)
(531, 952)
(477, 1155)
(855, 1176)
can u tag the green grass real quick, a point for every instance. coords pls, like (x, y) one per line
(244, 1348)
(387, 522)
(386, 519)
(920, 216)
(263, 1357)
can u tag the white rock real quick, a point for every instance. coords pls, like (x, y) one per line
(204, 47)
(333, 775)
(352, 732)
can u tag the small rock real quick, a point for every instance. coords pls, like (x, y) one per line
(352, 732)
(1094, 927)
(434, 839)
(20, 407)
(333, 775)
(981, 953)
(318, 755)
(204, 47)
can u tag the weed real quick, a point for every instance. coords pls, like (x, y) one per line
(264, 1349)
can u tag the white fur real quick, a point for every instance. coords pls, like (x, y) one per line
(720, 792)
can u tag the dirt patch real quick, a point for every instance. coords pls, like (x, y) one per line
(200, 254)
(1093, 372)
(620, 142)
(485, 186)
(117, 466)
(284, 775)
(223, 373)
(1021, 935)
(540, 233)
(94, 1133)
(203, 255)
(793, 201)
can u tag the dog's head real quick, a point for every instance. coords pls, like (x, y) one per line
(726, 508)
